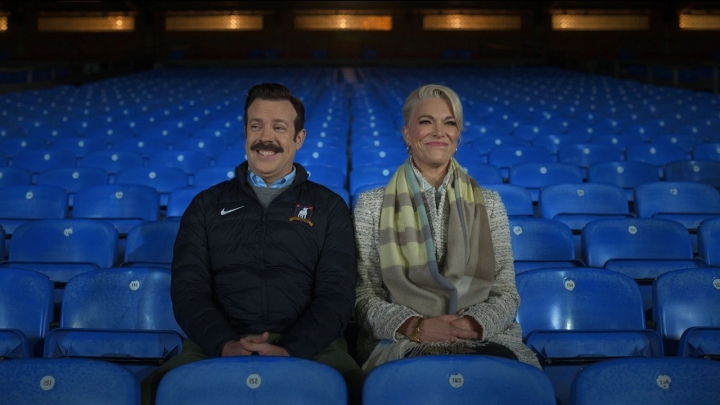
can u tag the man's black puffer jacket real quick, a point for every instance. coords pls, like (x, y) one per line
(241, 269)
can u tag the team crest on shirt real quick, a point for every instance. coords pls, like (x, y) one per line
(303, 213)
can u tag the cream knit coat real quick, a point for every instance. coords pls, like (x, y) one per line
(379, 317)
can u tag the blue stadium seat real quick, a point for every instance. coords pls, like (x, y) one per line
(663, 381)
(178, 201)
(13, 146)
(569, 322)
(14, 176)
(165, 134)
(577, 204)
(685, 202)
(162, 179)
(143, 147)
(378, 157)
(237, 155)
(553, 143)
(625, 174)
(530, 132)
(507, 157)
(252, 380)
(706, 151)
(686, 142)
(150, 244)
(123, 205)
(577, 299)
(224, 135)
(541, 243)
(483, 173)
(73, 179)
(327, 176)
(623, 141)
(457, 379)
(517, 200)
(698, 171)
(211, 176)
(131, 322)
(63, 248)
(685, 299)
(26, 310)
(467, 155)
(40, 160)
(585, 154)
(211, 147)
(112, 161)
(535, 176)
(709, 241)
(642, 248)
(20, 204)
(659, 154)
(188, 161)
(331, 157)
(80, 146)
(67, 381)
(370, 176)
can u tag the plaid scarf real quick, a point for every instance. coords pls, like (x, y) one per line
(408, 264)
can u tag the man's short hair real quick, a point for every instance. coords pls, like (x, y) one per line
(276, 92)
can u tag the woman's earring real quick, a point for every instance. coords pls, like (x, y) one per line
(408, 149)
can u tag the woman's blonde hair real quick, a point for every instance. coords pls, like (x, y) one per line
(434, 91)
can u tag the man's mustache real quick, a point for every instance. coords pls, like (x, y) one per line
(269, 146)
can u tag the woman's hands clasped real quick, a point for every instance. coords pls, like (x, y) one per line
(443, 328)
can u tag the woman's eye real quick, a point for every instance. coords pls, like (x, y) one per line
(451, 123)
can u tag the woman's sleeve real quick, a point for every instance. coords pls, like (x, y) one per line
(498, 312)
(375, 313)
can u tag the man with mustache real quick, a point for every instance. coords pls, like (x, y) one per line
(265, 264)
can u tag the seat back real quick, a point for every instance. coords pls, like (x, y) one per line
(577, 299)
(19, 204)
(683, 299)
(132, 298)
(672, 199)
(151, 243)
(67, 381)
(585, 154)
(575, 204)
(112, 161)
(457, 379)
(709, 241)
(252, 380)
(211, 176)
(40, 160)
(634, 238)
(517, 200)
(707, 151)
(189, 161)
(26, 304)
(699, 171)
(625, 174)
(65, 241)
(117, 202)
(179, 200)
(14, 176)
(536, 176)
(162, 179)
(541, 239)
(648, 380)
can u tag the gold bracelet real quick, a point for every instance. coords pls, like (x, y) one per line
(415, 335)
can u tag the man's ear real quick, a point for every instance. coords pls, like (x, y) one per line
(299, 139)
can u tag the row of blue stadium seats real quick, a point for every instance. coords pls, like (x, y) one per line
(606, 241)
(421, 380)
(570, 202)
(563, 312)
(504, 157)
